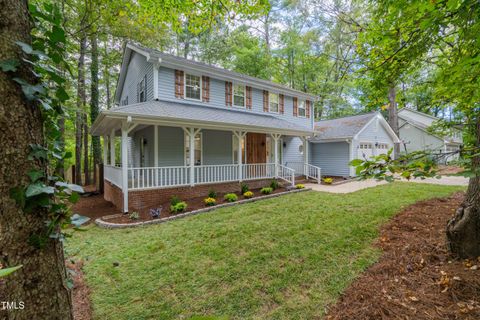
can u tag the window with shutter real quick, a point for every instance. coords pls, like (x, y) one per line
(249, 97)
(193, 85)
(301, 108)
(179, 83)
(309, 103)
(239, 95)
(228, 93)
(281, 103)
(295, 106)
(205, 89)
(265, 101)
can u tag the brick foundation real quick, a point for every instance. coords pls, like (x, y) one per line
(142, 199)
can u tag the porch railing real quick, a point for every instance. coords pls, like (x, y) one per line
(286, 173)
(113, 174)
(216, 173)
(253, 171)
(313, 172)
(158, 177)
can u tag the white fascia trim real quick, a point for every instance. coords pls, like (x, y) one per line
(384, 124)
(122, 75)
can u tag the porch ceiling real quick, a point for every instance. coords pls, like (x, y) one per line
(180, 114)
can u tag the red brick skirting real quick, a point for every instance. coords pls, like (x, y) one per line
(147, 198)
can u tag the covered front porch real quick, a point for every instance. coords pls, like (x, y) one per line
(142, 155)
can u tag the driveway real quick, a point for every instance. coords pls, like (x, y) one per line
(356, 185)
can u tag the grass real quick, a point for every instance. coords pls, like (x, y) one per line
(282, 258)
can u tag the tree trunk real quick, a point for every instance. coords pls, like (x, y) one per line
(60, 169)
(40, 285)
(80, 110)
(96, 148)
(393, 116)
(106, 73)
(463, 230)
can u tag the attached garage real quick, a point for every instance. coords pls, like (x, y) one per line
(338, 141)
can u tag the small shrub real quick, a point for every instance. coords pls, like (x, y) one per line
(174, 200)
(178, 207)
(274, 184)
(212, 194)
(210, 201)
(328, 180)
(134, 215)
(248, 194)
(230, 197)
(300, 186)
(244, 188)
(266, 190)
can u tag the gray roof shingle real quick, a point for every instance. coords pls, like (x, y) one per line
(346, 127)
(180, 111)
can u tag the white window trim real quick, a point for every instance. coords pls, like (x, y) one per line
(244, 95)
(270, 101)
(185, 86)
(234, 142)
(185, 149)
(304, 108)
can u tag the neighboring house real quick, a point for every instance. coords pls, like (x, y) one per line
(338, 141)
(413, 130)
(185, 125)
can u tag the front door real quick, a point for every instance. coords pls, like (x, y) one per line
(256, 147)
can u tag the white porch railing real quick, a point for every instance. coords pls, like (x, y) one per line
(286, 174)
(313, 172)
(113, 174)
(253, 171)
(158, 177)
(216, 173)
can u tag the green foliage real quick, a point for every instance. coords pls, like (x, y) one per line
(230, 197)
(178, 207)
(244, 188)
(212, 194)
(248, 194)
(134, 215)
(274, 184)
(6, 271)
(266, 190)
(174, 200)
(210, 201)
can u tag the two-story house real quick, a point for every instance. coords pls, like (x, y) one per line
(184, 125)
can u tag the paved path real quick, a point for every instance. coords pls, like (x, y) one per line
(355, 185)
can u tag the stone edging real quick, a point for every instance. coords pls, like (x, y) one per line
(110, 225)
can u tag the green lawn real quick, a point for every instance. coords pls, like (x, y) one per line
(282, 258)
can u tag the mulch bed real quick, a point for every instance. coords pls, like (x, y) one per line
(94, 206)
(192, 204)
(415, 277)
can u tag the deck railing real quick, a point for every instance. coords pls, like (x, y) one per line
(313, 172)
(286, 173)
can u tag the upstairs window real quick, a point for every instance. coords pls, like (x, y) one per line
(239, 95)
(142, 92)
(193, 87)
(301, 108)
(273, 102)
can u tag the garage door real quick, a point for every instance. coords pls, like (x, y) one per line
(365, 150)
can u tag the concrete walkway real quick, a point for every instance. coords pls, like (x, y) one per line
(356, 185)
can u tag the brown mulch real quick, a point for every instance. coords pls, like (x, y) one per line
(94, 206)
(445, 170)
(415, 277)
(82, 308)
(192, 204)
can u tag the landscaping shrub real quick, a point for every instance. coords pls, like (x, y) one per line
(244, 188)
(328, 180)
(134, 215)
(300, 186)
(174, 200)
(178, 207)
(230, 197)
(210, 201)
(274, 184)
(248, 194)
(266, 190)
(212, 194)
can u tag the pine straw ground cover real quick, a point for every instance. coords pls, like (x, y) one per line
(283, 258)
(415, 278)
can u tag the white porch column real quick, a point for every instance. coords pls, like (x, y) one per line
(155, 151)
(306, 151)
(240, 135)
(276, 138)
(191, 132)
(105, 150)
(112, 147)
(125, 166)
(155, 81)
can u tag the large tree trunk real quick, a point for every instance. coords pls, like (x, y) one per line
(96, 148)
(393, 116)
(80, 110)
(106, 73)
(463, 230)
(41, 283)
(85, 149)
(60, 169)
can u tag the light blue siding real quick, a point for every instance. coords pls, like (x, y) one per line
(332, 158)
(138, 67)
(375, 132)
(171, 146)
(291, 151)
(217, 147)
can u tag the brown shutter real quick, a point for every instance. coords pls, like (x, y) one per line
(228, 93)
(179, 84)
(281, 102)
(295, 106)
(248, 93)
(265, 101)
(205, 89)
(307, 106)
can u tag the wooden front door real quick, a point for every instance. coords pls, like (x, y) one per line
(256, 147)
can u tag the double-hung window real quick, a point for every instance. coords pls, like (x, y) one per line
(273, 102)
(301, 108)
(239, 95)
(193, 87)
